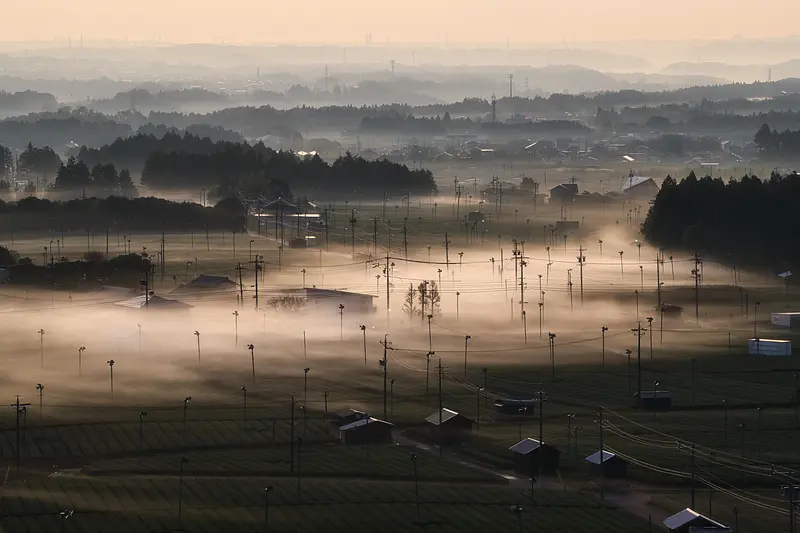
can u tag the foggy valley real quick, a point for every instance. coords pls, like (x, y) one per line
(456, 277)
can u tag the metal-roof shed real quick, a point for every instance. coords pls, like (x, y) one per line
(449, 427)
(610, 464)
(367, 430)
(532, 457)
(689, 520)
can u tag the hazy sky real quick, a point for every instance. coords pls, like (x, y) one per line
(348, 21)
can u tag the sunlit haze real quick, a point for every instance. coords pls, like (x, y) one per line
(349, 21)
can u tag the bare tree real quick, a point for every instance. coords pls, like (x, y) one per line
(410, 302)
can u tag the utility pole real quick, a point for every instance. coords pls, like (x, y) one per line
(581, 261)
(353, 232)
(639, 331)
(375, 235)
(658, 282)
(602, 453)
(694, 468)
(386, 346)
(257, 263)
(18, 408)
(441, 406)
(239, 269)
(696, 274)
(447, 251)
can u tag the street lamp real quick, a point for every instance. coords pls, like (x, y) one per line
(185, 409)
(111, 374)
(142, 414)
(186, 272)
(364, 332)
(416, 483)
(466, 346)
(341, 321)
(252, 349)
(655, 399)
(197, 334)
(244, 403)
(41, 346)
(80, 360)
(755, 320)
(603, 337)
(305, 385)
(428, 370)
(628, 352)
(236, 326)
(552, 337)
(517, 510)
(303, 271)
(40, 390)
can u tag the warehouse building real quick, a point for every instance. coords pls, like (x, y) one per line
(529, 455)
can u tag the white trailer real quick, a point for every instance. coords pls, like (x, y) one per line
(786, 320)
(769, 347)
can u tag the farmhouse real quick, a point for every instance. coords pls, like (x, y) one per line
(639, 187)
(564, 193)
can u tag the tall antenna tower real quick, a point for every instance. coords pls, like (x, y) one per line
(526, 86)
(511, 86)
(494, 108)
(391, 62)
(326, 78)
(769, 75)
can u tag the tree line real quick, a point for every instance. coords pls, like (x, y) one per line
(258, 170)
(101, 180)
(778, 144)
(745, 221)
(93, 270)
(117, 215)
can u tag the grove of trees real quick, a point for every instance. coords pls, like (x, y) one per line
(746, 220)
(40, 161)
(100, 180)
(775, 144)
(261, 171)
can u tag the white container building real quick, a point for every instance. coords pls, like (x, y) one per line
(786, 320)
(769, 347)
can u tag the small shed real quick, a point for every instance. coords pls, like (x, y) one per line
(530, 455)
(343, 418)
(654, 400)
(609, 465)
(516, 405)
(670, 310)
(690, 521)
(449, 427)
(367, 430)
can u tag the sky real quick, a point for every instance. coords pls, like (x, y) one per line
(410, 21)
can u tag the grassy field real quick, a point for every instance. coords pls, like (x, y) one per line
(739, 411)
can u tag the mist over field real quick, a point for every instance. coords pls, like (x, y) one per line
(334, 267)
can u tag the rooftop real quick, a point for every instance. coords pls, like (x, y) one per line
(446, 415)
(157, 302)
(363, 422)
(688, 516)
(526, 446)
(595, 457)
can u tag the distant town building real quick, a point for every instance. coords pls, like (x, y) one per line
(639, 187)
